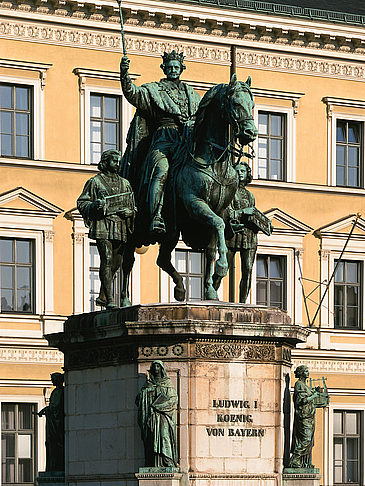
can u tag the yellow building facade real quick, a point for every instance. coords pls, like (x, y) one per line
(61, 105)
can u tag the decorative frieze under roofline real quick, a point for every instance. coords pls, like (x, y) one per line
(38, 67)
(314, 65)
(30, 355)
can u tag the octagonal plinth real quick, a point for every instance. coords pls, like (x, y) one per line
(228, 363)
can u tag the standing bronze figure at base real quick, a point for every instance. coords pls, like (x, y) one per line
(306, 400)
(55, 426)
(157, 403)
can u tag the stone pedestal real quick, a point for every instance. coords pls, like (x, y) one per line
(51, 479)
(153, 476)
(229, 364)
(301, 477)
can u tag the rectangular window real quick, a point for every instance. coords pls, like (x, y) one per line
(104, 125)
(15, 121)
(95, 280)
(347, 295)
(347, 447)
(271, 144)
(17, 275)
(270, 281)
(190, 265)
(17, 443)
(348, 153)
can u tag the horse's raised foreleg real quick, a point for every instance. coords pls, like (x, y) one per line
(164, 262)
(199, 210)
(126, 269)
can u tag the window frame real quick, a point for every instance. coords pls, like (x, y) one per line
(32, 265)
(283, 138)
(188, 274)
(337, 119)
(283, 258)
(360, 272)
(328, 475)
(37, 115)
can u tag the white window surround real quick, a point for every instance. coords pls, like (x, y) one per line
(286, 242)
(81, 267)
(166, 283)
(40, 430)
(38, 97)
(35, 224)
(332, 117)
(86, 88)
(332, 243)
(328, 457)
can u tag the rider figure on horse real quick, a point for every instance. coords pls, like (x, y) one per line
(165, 109)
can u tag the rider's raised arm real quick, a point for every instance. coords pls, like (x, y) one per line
(134, 94)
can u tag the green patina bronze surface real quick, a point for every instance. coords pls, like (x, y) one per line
(157, 404)
(55, 427)
(180, 162)
(241, 235)
(107, 207)
(306, 400)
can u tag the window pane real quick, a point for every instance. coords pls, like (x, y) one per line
(110, 107)
(352, 296)
(23, 251)
(21, 97)
(8, 471)
(276, 125)
(275, 169)
(7, 300)
(7, 416)
(339, 275)
(275, 148)
(25, 471)
(262, 169)
(195, 262)
(95, 129)
(338, 452)
(6, 97)
(353, 177)
(338, 474)
(275, 294)
(180, 261)
(95, 153)
(7, 277)
(339, 295)
(351, 423)
(23, 301)
(340, 134)
(340, 176)
(337, 422)
(352, 317)
(24, 446)
(352, 472)
(261, 267)
(23, 277)
(338, 316)
(263, 123)
(6, 122)
(261, 293)
(8, 448)
(22, 146)
(94, 256)
(95, 106)
(110, 133)
(354, 133)
(340, 154)
(22, 123)
(352, 448)
(6, 145)
(275, 268)
(195, 290)
(353, 156)
(25, 416)
(6, 250)
(262, 148)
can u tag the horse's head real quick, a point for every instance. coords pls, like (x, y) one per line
(238, 105)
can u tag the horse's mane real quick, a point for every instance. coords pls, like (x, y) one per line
(215, 91)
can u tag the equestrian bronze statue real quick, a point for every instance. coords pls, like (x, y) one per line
(180, 163)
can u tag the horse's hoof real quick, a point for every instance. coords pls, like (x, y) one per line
(211, 294)
(221, 269)
(100, 302)
(179, 294)
(111, 305)
(125, 302)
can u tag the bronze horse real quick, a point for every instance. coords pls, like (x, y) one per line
(202, 183)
